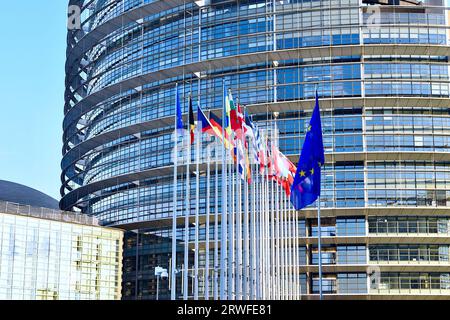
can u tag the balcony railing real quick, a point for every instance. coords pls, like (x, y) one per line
(46, 213)
(410, 291)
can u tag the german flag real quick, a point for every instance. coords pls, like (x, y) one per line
(212, 126)
(216, 122)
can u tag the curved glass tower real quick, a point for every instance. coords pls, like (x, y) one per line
(382, 73)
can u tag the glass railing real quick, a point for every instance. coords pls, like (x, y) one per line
(46, 213)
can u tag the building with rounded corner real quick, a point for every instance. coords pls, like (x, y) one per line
(382, 73)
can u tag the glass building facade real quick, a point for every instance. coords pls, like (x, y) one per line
(46, 254)
(381, 70)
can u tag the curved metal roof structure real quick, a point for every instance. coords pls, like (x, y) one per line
(18, 193)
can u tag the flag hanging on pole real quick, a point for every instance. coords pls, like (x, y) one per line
(253, 133)
(226, 118)
(212, 126)
(216, 122)
(179, 121)
(236, 125)
(306, 187)
(241, 161)
(280, 166)
(248, 167)
(262, 153)
(237, 119)
(191, 120)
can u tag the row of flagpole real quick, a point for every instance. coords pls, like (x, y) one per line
(255, 254)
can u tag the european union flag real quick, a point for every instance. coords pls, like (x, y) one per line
(306, 187)
(179, 116)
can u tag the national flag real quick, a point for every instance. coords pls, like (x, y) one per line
(179, 115)
(191, 120)
(216, 122)
(249, 170)
(226, 115)
(253, 133)
(270, 160)
(212, 126)
(249, 126)
(281, 169)
(241, 160)
(263, 156)
(237, 119)
(207, 127)
(292, 167)
(281, 163)
(306, 187)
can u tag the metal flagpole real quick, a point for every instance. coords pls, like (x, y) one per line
(232, 223)
(286, 254)
(246, 247)
(188, 160)
(216, 224)
(238, 221)
(206, 270)
(286, 242)
(262, 230)
(282, 250)
(273, 209)
(252, 239)
(175, 206)
(257, 236)
(266, 238)
(261, 244)
(223, 240)
(319, 231)
(278, 245)
(286, 249)
(297, 258)
(197, 209)
(246, 250)
(289, 222)
(208, 208)
(295, 275)
(261, 238)
(186, 220)
(286, 246)
(231, 229)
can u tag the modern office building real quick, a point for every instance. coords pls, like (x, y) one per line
(381, 70)
(47, 254)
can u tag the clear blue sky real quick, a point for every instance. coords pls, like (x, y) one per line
(32, 58)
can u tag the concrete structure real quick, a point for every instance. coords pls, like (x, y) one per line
(382, 73)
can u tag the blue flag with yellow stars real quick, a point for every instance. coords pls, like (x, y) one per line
(306, 187)
(179, 115)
